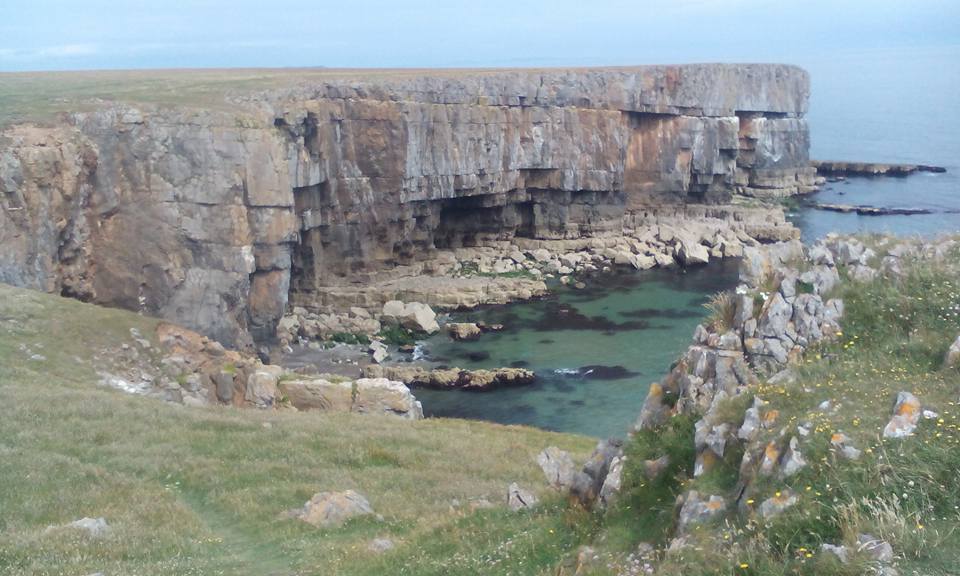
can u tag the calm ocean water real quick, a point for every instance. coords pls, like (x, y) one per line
(887, 106)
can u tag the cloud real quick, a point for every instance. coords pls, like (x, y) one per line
(67, 50)
(58, 51)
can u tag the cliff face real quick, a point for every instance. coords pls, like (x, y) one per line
(212, 218)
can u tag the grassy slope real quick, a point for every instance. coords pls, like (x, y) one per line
(199, 491)
(904, 491)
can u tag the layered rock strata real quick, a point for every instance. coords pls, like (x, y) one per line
(218, 219)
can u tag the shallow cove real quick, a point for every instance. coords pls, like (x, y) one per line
(595, 351)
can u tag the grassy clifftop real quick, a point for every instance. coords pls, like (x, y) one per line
(201, 490)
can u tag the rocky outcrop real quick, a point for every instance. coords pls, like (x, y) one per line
(331, 509)
(365, 396)
(831, 168)
(451, 378)
(218, 220)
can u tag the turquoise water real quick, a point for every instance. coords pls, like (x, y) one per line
(595, 351)
(873, 106)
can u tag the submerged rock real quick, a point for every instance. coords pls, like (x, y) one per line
(464, 330)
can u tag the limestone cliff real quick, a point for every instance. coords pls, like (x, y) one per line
(213, 216)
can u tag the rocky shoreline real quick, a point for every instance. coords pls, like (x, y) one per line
(754, 336)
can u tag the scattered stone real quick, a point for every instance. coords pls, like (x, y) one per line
(223, 382)
(613, 481)
(415, 316)
(697, 511)
(906, 414)
(557, 466)
(841, 442)
(874, 547)
(841, 552)
(588, 482)
(751, 421)
(329, 509)
(262, 386)
(777, 504)
(793, 460)
(953, 354)
(380, 545)
(652, 469)
(378, 351)
(520, 499)
(94, 527)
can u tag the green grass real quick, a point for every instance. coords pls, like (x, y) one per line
(201, 490)
(895, 335)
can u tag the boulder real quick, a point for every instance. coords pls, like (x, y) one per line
(841, 552)
(690, 253)
(906, 414)
(793, 460)
(331, 509)
(520, 499)
(382, 396)
(223, 385)
(378, 351)
(587, 483)
(875, 548)
(380, 545)
(953, 354)
(415, 316)
(365, 396)
(613, 481)
(464, 330)
(318, 394)
(557, 466)
(94, 527)
(261, 388)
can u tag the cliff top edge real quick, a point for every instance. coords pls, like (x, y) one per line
(40, 97)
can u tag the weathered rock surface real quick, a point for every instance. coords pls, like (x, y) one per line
(365, 395)
(557, 466)
(464, 330)
(218, 218)
(520, 499)
(906, 415)
(331, 509)
(953, 354)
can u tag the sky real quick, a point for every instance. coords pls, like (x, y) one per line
(111, 34)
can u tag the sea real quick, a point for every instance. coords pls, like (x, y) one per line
(597, 350)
